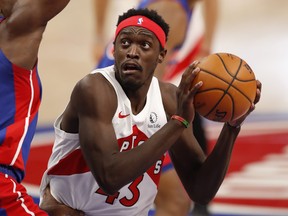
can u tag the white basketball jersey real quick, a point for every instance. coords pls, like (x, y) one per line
(73, 184)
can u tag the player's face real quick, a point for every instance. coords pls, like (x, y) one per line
(137, 53)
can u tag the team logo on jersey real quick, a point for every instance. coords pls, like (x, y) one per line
(153, 119)
(140, 21)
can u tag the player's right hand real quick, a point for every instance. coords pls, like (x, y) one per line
(186, 92)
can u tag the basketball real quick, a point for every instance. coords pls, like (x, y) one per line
(228, 90)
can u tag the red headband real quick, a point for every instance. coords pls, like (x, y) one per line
(143, 22)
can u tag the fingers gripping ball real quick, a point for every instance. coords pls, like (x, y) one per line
(228, 90)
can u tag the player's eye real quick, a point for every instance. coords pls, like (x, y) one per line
(146, 45)
(125, 42)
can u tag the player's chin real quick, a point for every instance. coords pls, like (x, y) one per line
(131, 82)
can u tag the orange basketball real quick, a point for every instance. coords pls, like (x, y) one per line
(228, 90)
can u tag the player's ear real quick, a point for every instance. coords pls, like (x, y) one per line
(162, 56)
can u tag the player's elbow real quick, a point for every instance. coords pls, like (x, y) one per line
(202, 197)
(202, 200)
(108, 183)
(108, 189)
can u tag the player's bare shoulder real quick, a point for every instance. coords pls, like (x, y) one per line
(94, 85)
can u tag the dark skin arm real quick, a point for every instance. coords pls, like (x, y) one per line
(194, 169)
(21, 32)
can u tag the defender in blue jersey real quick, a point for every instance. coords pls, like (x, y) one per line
(22, 24)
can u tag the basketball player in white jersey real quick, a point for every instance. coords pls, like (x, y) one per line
(119, 123)
(187, 42)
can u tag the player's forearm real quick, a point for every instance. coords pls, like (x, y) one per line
(122, 168)
(211, 174)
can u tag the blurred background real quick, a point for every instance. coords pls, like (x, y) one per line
(255, 30)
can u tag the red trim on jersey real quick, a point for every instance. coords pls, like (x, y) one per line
(154, 172)
(167, 159)
(74, 163)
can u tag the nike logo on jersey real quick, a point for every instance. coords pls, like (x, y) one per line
(120, 115)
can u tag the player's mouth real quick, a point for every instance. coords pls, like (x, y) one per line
(131, 67)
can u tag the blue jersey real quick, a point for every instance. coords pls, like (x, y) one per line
(183, 3)
(20, 96)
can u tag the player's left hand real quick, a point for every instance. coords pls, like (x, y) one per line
(55, 208)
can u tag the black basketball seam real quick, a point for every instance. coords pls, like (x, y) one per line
(235, 77)
(233, 105)
(240, 91)
(218, 100)
(225, 93)
(223, 62)
(246, 80)
(229, 85)
(208, 72)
